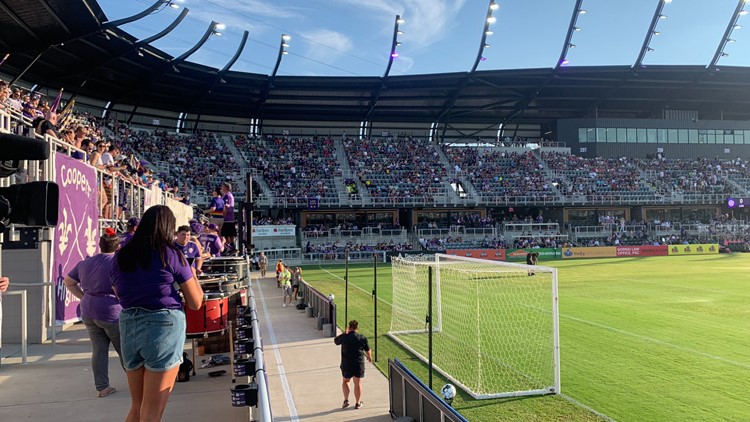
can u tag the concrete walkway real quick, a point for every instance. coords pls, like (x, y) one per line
(304, 378)
(303, 367)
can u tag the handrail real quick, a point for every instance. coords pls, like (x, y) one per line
(263, 412)
(53, 305)
(24, 324)
(322, 305)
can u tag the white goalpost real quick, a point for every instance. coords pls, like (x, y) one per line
(495, 330)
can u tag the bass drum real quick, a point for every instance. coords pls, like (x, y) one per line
(210, 318)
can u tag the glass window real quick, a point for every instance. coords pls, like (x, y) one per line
(611, 135)
(591, 134)
(582, 134)
(672, 137)
(747, 136)
(719, 136)
(739, 137)
(651, 135)
(622, 134)
(601, 135)
(693, 136)
(682, 135)
(661, 136)
(641, 136)
(710, 137)
(631, 136)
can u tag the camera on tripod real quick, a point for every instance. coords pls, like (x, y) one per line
(33, 203)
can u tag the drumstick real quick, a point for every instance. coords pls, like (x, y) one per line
(205, 316)
(231, 352)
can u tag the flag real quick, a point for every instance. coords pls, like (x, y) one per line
(66, 114)
(56, 104)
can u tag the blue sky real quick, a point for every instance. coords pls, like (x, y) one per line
(353, 37)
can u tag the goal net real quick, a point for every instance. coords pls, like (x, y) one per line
(495, 324)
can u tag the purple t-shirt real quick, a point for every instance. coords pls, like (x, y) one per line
(99, 301)
(151, 288)
(229, 207)
(211, 243)
(190, 251)
(125, 238)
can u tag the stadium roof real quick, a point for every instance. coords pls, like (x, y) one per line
(77, 48)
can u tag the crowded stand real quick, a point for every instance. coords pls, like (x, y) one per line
(397, 168)
(500, 175)
(596, 178)
(293, 167)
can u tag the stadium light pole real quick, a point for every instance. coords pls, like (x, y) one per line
(738, 11)
(485, 33)
(394, 43)
(572, 28)
(283, 45)
(646, 46)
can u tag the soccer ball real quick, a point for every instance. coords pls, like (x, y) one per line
(449, 392)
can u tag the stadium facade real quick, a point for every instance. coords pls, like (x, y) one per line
(686, 112)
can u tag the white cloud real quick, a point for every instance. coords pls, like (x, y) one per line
(325, 45)
(427, 21)
(402, 64)
(235, 14)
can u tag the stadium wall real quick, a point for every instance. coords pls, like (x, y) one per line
(546, 254)
(568, 131)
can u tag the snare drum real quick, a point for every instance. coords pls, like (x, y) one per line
(226, 265)
(211, 317)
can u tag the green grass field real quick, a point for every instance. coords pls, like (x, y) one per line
(642, 339)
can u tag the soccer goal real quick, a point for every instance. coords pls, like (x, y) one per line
(494, 324)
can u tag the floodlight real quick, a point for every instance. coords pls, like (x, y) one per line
(491, 19)
(731, 40)
(571, 46)
(494, 6)
(217, 33)
(657, 33)
(743, 13)
(284, 52)
(286, 37)
(140, 53)
(723, 54)
(737, 27)
(582, 11)
(486, 45)
(174, 5)
(221, 26)
(488, 32)
(394, 54)
(575, 28)
(649, 49)
(398, 43)
(564, 62)
(285, 45)
(662, 16)
(667, 1)
(399, 32)
(400, 21)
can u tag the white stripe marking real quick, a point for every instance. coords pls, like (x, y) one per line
(279, 363)
(660, 342)
(352, 284)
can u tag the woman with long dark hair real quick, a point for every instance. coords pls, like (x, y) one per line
(145, 274)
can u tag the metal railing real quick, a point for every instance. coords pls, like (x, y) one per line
(410, 397)
(340, 256)
(322, 306)
(24, 324)
(263, 411)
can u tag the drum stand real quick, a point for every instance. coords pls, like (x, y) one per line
(192, 342)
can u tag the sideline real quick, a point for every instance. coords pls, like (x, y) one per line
(353, 284)
(279, 364)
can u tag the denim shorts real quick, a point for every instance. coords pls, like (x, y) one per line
(154, 339)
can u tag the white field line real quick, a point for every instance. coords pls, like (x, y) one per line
(352, 284)
(660, 342)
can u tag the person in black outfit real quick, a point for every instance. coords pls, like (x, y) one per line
(353, 344)
(531, 259)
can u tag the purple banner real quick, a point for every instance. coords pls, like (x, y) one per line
(77, 232)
